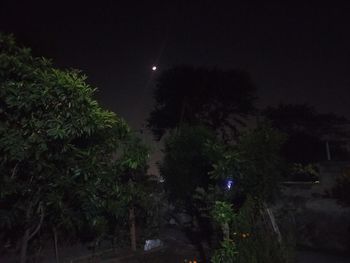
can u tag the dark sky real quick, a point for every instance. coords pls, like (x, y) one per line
(295, 53)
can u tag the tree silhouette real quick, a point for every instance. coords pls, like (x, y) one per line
(218, 99)
(306, 129)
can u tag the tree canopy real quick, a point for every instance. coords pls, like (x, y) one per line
(186, 163)
(62, 155)
(306, 130)
(296, 118)
(219, 99)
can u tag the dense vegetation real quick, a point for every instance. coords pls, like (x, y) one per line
(232, 218)
(68, 166)
(71, 170)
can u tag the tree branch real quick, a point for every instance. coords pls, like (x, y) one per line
(40, 223)
(14, 171)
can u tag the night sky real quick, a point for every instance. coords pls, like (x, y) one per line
(295, 53)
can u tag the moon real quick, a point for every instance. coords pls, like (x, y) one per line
(154, 68)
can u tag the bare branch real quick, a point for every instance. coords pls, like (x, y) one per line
(14, 171)
(40, 222)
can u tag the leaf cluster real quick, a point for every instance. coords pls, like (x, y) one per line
(59, 149)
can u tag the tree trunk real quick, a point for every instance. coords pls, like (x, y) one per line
(55, 244)
(132, 228)
(225, 231)
(24, 246)
(27, 235)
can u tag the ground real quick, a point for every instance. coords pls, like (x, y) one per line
(176, 249)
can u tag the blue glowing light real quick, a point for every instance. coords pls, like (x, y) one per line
(229, 183)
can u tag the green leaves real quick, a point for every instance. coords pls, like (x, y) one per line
(186, 163)
(222, 212)
(254, 162)
(64, 141)
(228, 252)
(263, 166)
(134, 154)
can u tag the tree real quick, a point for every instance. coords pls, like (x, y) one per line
(56, 144)
(133, 167)
(307, 130)
(262, 167)
(185, 165)
(254, 167)
(218, 99)
(254, 163)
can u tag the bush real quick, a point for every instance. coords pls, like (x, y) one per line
(186, 165)
(250, 239)
(303, 173)
(342, 189)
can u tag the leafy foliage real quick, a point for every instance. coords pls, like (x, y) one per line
(226, 253)
(223, 212)
(250, 239)
(255, 166)
(341, 191)
(253, 163)
(291, 118)
(186, 164)
(63, 157)
(262, 164)
(306, 130)
(300, 172)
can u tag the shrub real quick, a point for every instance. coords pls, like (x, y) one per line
(342, 189)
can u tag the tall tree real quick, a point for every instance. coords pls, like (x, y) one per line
(186, 164)
(55, 142)
(133, 166)
(219, 99)
(307, 130)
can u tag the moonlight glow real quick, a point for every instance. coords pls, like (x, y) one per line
(154, 68)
